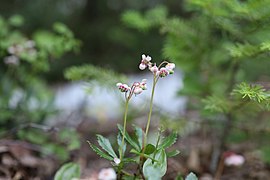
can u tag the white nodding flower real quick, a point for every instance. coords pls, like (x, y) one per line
(142, 66)
(170, 67)
(138, 90)
(116, 161)
(153, 69)
(107, 174)
(162, 72)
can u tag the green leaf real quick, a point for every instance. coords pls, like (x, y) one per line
(168, 141)
(68, 171)
(100, 152)
(149, 149)
(139, 133)
(106, 145)
(191, 176)
(172, 153)
(156, 170)
(128, 138)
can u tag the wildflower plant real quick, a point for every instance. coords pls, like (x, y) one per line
(151, 159)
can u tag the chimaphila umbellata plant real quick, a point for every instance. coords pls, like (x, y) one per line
(151, 159)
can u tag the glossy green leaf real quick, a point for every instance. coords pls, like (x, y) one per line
(68, 172)
(149, 149)
(156, 170)
(100, 152)
(191, 176)
(106, 145)
(168, 141)
(129, 139)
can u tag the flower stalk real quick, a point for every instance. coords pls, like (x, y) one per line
(124, 130)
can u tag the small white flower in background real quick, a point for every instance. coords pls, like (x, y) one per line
(145, 62)
(30, 44)
(116, 161)
(162, 72)
(15, 49)
(12, 60)
(170, 67)
(107, 174)
(123, 87)
(232, 159)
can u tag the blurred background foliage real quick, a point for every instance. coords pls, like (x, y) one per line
(106, 41)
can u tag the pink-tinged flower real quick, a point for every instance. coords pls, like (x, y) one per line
(146, 58)
(142, 66)
(138, 90)
(145, 62)
(232, 159)
(153, 69)
(162, 72)
(116, 161)
(170, 67)
(107, 174)
(123, 87)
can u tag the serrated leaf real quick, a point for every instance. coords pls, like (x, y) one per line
(168, 141)
(68, 171)
(156, 170)
(100, 152)
(191, 176)
(129, 160)
(139, 133)
(106, 145)
(128, 138)
(172, 153)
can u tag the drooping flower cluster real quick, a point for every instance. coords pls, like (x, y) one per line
(157, 70)
(136, 88)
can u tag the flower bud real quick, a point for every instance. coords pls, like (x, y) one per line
(123, 87)
(154, 69)
(116, 161)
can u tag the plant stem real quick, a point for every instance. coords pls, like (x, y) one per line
(124, 130)
(150, 111)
